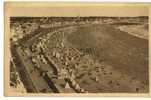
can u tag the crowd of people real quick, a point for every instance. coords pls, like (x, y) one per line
(53, 49)
(20, 30)
(52, 45)
(67, 61)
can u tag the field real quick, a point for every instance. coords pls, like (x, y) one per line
(124, 58)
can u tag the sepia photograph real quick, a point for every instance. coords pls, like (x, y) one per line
(76, 48)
